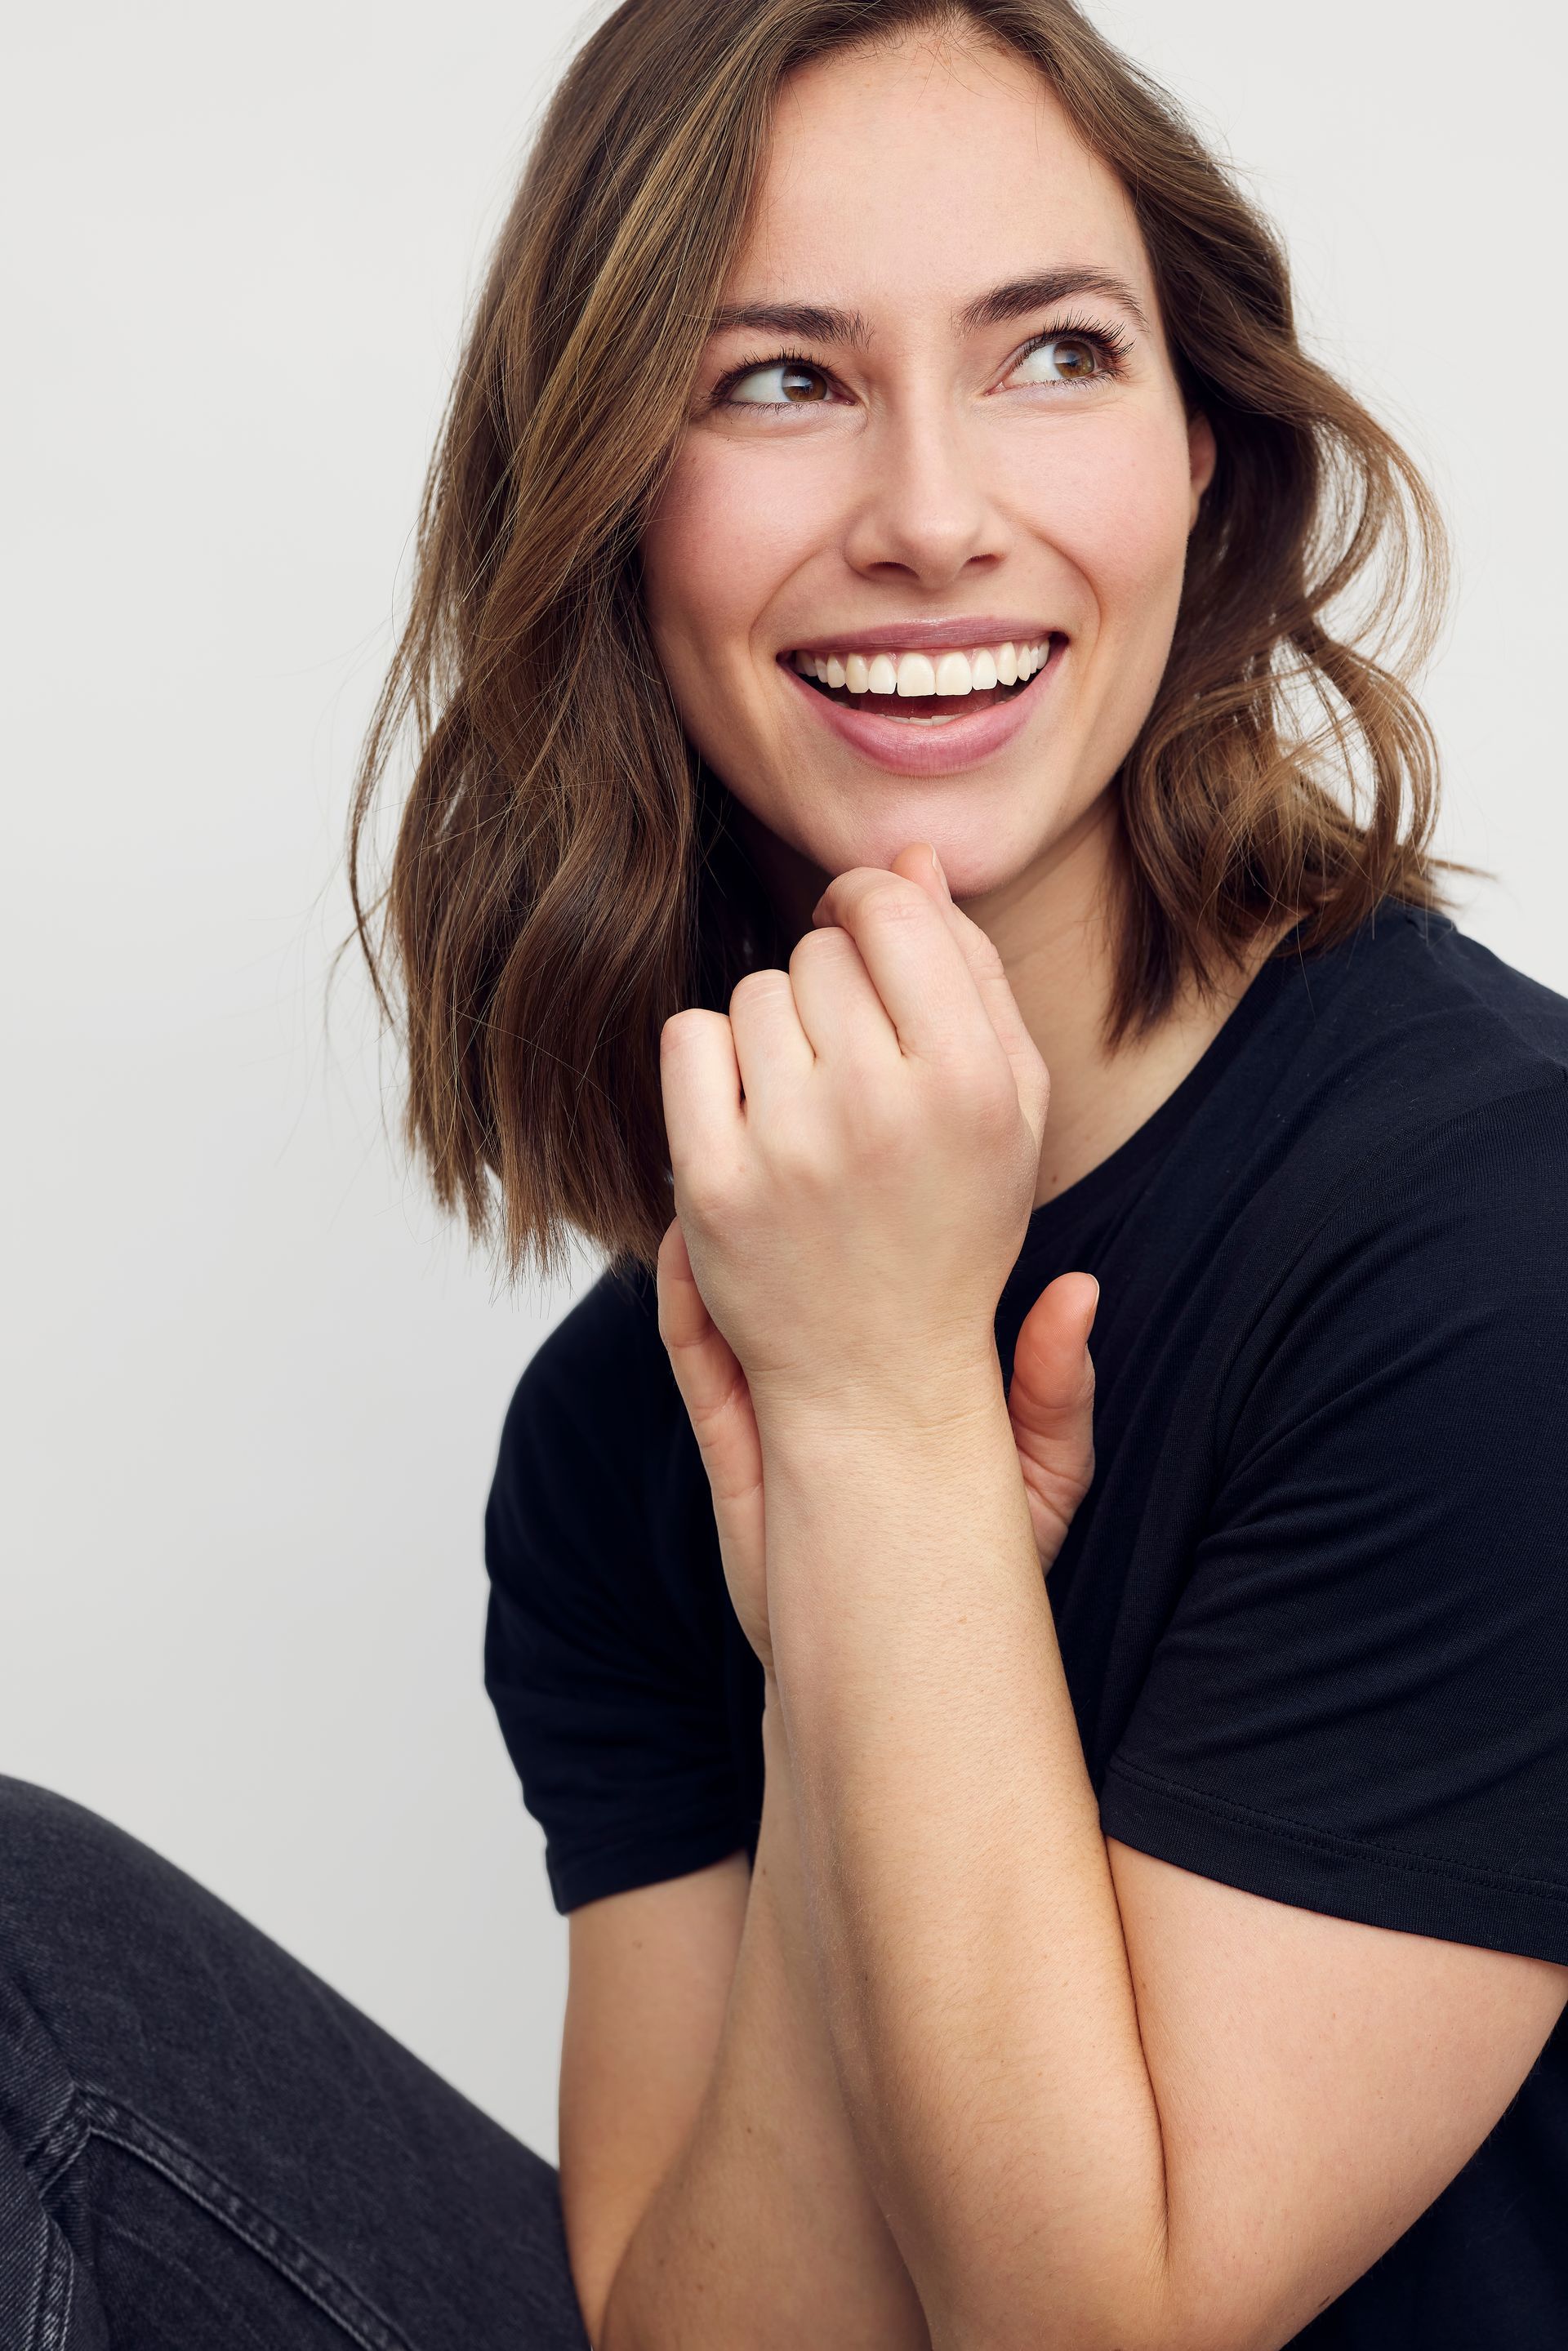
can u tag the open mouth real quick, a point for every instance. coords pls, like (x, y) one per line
(925, 689)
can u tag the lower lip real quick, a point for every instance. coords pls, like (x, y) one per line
(949, 749)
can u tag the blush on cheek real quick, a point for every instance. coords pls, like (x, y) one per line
(1121, 521)
(682, 557)
(724, 535)
(731, 525)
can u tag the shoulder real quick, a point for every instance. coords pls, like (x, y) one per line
(1408, 1158)
(1410, 1011)
(1394, 1056)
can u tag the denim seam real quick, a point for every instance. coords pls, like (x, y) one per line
(57, 2145)
(97, 2116)
(62, 2124)
(57, 2293)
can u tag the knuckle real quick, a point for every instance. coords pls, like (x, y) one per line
(894, 901)
(825, 948)
(762, 984)
(683, 1027)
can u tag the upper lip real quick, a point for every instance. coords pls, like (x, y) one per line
(957, 634)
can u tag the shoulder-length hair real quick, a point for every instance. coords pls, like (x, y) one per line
(563, 876)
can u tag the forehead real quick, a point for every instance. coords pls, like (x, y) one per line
(930, 163)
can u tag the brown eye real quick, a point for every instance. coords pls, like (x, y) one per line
(1063, 359)
(802, 383)
(783, 382)
(1074, 356)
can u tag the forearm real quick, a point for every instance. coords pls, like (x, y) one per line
(958, 1893)
(764, 2233)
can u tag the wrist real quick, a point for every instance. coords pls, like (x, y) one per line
(927, 1410)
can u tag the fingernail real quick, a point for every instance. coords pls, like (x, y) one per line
(936, 862)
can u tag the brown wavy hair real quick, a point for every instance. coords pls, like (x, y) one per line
(564, 876)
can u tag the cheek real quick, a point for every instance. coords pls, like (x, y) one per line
(1116, 505)
(729, 528)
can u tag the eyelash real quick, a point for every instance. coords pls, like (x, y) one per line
(1111, 345)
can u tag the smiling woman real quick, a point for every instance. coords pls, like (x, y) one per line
(702, 425)
(919, 848)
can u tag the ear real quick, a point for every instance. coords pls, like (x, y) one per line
(1203, 456)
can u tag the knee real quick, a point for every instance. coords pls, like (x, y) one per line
(91, 1921)
(61, 1863)
(26, 1807)
(41, 1831)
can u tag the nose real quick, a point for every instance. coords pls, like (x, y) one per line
(926, 509)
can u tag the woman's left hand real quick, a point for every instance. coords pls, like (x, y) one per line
(855, 1150)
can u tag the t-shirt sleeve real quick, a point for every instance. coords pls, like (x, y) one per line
(604, 1643)
(1359, 1704)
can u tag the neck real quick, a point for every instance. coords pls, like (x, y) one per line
(1054, 926)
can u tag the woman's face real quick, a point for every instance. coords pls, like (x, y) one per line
(937, 430)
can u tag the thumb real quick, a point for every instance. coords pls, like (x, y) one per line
(1051, 1402)
(719, 1404)
(712, 1386)
(716, 1395)
(920, 864)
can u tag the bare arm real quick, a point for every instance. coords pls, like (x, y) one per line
(763, 2232)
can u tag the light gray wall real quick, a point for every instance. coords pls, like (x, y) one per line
(252, 1391)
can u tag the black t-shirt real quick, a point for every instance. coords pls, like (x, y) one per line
(1314, 1610)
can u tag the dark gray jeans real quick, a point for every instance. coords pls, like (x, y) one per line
(201, 2145)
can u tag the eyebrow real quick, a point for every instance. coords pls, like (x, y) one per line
(816, 322)
(811, 321)
(1038, 293)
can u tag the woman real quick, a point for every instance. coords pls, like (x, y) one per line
(908, 855)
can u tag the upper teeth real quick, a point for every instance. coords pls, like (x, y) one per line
(912, 673)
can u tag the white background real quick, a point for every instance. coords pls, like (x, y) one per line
(252, 1390)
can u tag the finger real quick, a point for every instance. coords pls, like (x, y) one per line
(772, 1049)
(713, 1389)
(700, 1079)
(840, 1009)
(916, 962)
(920, 864)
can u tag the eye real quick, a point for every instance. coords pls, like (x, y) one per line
(1071, 355)
(781, 383)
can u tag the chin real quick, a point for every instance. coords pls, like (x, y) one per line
(987, 840)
